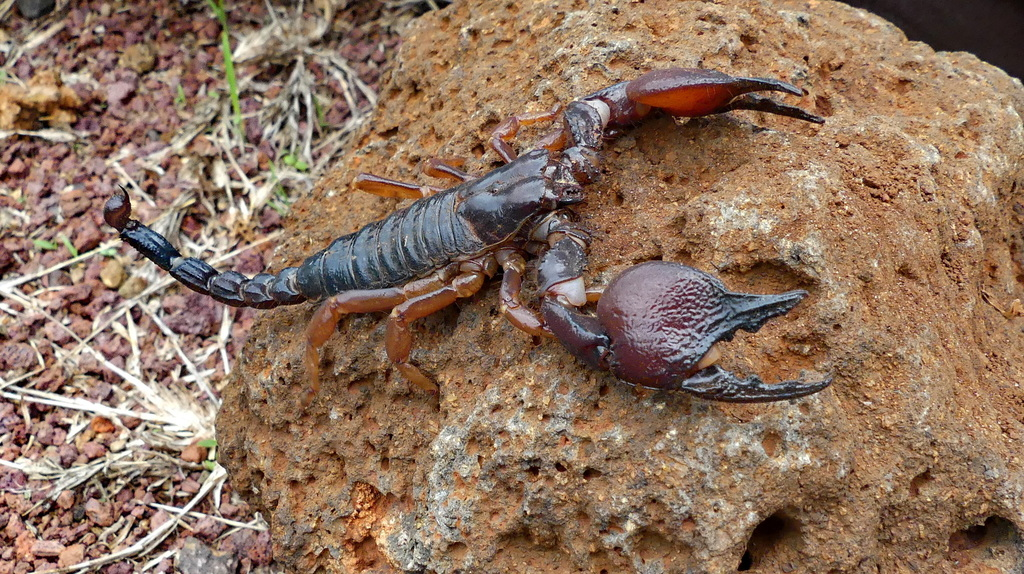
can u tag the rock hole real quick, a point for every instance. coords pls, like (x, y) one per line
(823, 105)
(773, 543)
(533, 471)
(560, 467)
(591, 473)
(770, 443)
(619, 199)
(997, 538)
(457, 551)
(385, 464)
(920, 481)
(603, 390)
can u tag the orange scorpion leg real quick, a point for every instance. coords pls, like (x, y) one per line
(521, 316)
(508, 129)
(325, 320)
(399, 338)
(446, 168)
(385, 187)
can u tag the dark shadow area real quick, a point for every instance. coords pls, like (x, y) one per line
(989, 29)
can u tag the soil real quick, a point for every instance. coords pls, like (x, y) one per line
(100, 94)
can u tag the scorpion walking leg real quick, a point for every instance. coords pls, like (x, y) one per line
(392, 188)
(508, 129)
(521, 316)
(399, 338)
(325, 320)
(447, 168)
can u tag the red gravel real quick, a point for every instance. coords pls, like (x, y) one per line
(126, 78)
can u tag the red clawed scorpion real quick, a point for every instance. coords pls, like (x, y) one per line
(656, 323)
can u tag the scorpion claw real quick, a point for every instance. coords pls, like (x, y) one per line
(690, 92)
(716, 384)
(657, 324)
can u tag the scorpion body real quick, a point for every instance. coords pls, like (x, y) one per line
(443, 246)
(453, 225)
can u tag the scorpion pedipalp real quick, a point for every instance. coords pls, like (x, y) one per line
(692, 92)
(657, 324)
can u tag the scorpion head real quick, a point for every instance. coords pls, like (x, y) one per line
(508, 200)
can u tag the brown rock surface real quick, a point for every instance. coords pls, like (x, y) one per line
(902, 216)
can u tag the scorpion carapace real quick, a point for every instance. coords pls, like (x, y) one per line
(443, 246)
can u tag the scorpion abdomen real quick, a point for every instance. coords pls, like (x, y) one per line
(408, 244)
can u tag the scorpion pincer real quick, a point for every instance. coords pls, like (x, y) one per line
(445, 245)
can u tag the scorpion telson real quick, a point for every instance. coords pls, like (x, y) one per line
(445, 245)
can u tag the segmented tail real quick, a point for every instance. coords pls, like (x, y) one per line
(263, 291)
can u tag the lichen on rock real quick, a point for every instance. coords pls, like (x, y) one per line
(903, 216)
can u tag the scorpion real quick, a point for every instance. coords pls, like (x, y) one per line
(656, 323)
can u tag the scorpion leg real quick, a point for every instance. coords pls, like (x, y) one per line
(392, 188)
(399, 338)
(446, 168)
(508, 129)
(521, 316)
(325, 321)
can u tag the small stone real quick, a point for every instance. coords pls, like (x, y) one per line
(66, 499)
(23, 545)
(118, 93)
(47, 548)
(194, 453)
(132, 287)
(71, 555)
(198, 558)
(208, 528)
(17, 356)
(33, 9)
(158, 518)
(139, 57)
(190, 486)
(101, 513)
(101, 425)
(112, 275)
(93, 450)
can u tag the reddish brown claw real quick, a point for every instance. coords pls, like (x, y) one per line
(656, 326)
(690, 92)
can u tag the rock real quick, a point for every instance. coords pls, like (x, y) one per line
(47, 548)
(194, 453)
(102, 513)
(71, 555)
(198, 558)
(33, 9)
(901, 216)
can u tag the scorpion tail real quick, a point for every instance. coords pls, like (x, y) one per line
(230, 287)
(690, 92)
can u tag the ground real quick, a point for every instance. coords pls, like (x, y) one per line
(901, 216)
(111, 376)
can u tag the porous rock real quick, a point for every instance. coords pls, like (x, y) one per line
(902, 216)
